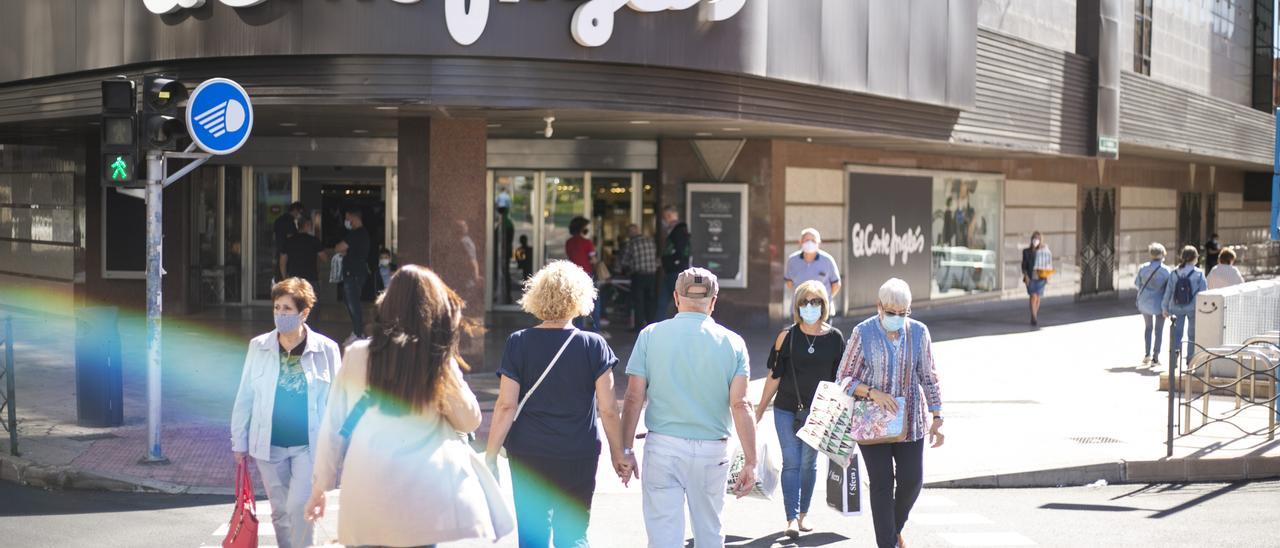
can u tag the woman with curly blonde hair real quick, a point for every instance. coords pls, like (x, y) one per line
(556, 380)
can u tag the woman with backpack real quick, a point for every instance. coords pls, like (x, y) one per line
(1151, 282)
(1180, 299)
(393, 427)
(803, 355)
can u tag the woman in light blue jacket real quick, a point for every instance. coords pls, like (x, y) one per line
(1151, 281)
(283, 393)
(1180, 299)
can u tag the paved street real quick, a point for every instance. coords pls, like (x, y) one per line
(1122, 515)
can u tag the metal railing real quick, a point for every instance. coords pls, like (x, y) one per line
(7, 401)
(1242, 372)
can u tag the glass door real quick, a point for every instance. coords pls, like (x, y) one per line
(272, 192)
(564, 196)
(513, 234)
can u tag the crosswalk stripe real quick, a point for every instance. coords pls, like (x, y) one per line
(264, 528)
(951, 518)
(987, 539)
(934, 501)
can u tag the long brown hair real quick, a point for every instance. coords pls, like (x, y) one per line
(415, 336)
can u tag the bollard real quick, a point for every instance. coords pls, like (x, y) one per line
(10, 391)
(99, 372)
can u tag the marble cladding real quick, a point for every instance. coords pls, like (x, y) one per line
(810, 185)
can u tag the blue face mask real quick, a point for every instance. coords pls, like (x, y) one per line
(288, 323)
(810, 313)
(892, 323)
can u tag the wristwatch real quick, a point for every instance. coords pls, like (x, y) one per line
(627, 451)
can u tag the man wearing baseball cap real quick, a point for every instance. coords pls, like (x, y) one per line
(693, 372)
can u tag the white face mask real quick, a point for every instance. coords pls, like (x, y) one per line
(347, 223)
(809, 246)
(384, 262)
(1035, 243)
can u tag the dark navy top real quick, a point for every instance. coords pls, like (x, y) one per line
(559, 420)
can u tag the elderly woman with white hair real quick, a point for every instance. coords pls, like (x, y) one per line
(1151, 281)
(889, 356)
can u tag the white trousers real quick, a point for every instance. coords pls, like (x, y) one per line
(677, 471)
(287, 477)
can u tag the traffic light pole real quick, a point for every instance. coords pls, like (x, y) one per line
(157, 179)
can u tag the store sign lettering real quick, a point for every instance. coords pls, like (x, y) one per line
(592, 24)
(867, 242)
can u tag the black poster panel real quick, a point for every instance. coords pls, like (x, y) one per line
(125, 239)
(889, 219)
(717, 230)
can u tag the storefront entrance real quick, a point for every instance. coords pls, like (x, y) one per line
(530, 213)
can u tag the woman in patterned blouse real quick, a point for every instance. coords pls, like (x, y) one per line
(890, 356)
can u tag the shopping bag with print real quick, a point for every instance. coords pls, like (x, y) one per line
(844, 487)
(768, 467)
(838, 422)
(243, 530)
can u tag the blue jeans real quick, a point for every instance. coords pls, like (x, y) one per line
(799, 465)
(352, 288)
(1155, 326)
(1175, 335)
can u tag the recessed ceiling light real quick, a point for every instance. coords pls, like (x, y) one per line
(360, 131)
(702, 134)
(62, 130)
(494, 125)
(582, 137)
(732, 129)
(386, 108)
(299, 133)
(640, 122)
(539, 132)
(288, 124)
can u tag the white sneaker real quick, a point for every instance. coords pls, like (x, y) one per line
(1146, 360)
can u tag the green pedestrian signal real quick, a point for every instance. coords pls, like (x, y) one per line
(119, 169)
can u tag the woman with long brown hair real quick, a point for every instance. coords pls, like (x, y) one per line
(396, 411)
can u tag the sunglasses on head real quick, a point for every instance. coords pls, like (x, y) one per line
(813, 302)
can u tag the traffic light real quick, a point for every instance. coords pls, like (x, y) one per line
(119, 132)
(162, 121)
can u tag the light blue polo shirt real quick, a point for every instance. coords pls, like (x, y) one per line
(688, 363)
(823, 269)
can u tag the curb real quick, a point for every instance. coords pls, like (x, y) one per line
(24, 472)
(1178, 470)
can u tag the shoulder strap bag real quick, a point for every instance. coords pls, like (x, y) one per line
(798, 422)
(538, 383)
(1144, 284)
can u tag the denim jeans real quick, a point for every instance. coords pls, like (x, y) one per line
(352, 288)
(680, 471)
(1155, 326)
(1175, 335)
(663, 311)
(799, 465)
(643, 295)
(287, 478)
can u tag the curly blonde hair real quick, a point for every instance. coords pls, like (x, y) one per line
(559, 291)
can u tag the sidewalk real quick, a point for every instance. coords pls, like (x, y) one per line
(1067, 404)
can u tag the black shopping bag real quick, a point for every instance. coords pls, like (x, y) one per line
(844, 487)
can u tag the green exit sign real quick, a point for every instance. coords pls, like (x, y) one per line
(117, 169)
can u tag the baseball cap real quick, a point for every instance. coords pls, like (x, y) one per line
(697, 283)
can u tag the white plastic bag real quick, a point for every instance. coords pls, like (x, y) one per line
(768, 463)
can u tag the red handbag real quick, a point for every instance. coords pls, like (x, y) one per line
(243, 532)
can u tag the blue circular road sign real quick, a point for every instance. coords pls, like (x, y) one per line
(219, 116)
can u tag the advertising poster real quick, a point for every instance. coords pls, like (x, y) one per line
(716, 214)
(890, 217)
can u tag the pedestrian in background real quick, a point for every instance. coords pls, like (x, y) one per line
(284, 227)
(641, 258)
(582, 252)
(1037, 267)
(354, 249)
(812, 264)
(386, 267)
(284, 390)
(393, 423)
(1225, 274)
(676, 249)
(694, 373)
(803, 355)
(1212, 249)
(1180, 300)
(556, 382)
(300, 255)
(889, 356)
(1151, 281)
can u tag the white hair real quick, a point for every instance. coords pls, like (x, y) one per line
(895, 293)
(816, 236)
(1156, 249)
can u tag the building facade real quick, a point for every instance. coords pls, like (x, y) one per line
(925, 139)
